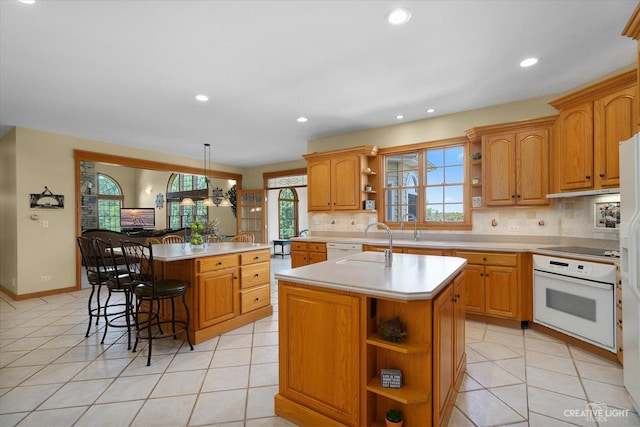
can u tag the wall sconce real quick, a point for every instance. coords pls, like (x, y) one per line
(88, 186)
(159, 201)
(218, 197)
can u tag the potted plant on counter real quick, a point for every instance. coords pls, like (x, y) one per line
(393, 418)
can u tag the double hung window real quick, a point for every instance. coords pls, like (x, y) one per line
(428, 184)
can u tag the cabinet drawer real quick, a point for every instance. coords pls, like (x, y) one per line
(254, 274)
(491, 258)
(317, 247)
(217, 262)
(251, 299)
(298, 246)
(255, 257)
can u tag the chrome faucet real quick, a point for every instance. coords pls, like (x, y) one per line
(410, 217)
(388, 253)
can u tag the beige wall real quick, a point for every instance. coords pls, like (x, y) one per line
(8, 219)
(32, 159)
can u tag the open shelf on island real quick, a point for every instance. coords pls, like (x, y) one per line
(402, 347)
(406, 394)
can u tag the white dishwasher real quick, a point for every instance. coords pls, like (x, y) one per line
(339, 250)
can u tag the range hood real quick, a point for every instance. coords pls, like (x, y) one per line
(584, 193)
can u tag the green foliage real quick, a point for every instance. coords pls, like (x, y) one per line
(393, 330)
(232, 196)
(394, 415)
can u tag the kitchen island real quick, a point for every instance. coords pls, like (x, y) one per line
(229, 284)
(331, 355)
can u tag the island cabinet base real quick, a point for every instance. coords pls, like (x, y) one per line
(225, 291)
(331, 356)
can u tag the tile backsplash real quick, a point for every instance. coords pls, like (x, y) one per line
(573, 217)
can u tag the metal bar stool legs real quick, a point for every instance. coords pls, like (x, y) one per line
(153, 297)
(95, 279)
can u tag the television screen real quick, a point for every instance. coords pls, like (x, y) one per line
(137, 218)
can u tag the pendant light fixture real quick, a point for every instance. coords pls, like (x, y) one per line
(207, 165)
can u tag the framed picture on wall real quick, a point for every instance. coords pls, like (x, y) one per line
(46, 200)
(607, 215)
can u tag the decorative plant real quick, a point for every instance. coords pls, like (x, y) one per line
(394, 416)
(476, 156)
(393, 330)
(212, 227)
(231, 195)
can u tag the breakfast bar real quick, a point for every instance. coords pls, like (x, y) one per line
(229, 283)
(331, 353)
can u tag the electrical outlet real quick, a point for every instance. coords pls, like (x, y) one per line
(45, 278)
(360, 226)
(514, 228)
(45, 223)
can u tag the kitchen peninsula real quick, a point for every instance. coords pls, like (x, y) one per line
(331, 355)
(229, 284)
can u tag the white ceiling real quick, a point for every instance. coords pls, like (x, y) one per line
(125, 72)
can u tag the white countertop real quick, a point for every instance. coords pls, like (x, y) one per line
(182, 251)
(465, 245)
(411, 277)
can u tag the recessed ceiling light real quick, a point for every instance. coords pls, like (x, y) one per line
(528, 62)
(399, 117)
(201, 98)
(301, 119)
(430, 110)
(27, 1)
(399, 16)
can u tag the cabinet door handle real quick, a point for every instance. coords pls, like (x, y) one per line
(255, 258)
(601, 175)
(257, 299)
(256, 275)
(219, 262)
(588, 177)
(519, 196)
(513, 196)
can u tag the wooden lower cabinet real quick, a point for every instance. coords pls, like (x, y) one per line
(305, 253)
(319, 351)
(218, 296)
(331, 356)
(497, 284)
(225, 291)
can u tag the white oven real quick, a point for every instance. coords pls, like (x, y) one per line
(575, 297)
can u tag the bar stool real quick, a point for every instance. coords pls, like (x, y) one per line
(120, 314)
(150, 294)
(94, 277)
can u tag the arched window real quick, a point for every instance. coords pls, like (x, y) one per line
(109, 202)
(179, 187)
(287, 212)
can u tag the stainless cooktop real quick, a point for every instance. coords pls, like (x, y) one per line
(585, 251)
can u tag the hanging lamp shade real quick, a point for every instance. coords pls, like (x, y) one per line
(187, 201)
(208, 202)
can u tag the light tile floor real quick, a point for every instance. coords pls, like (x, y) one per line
(50, 374)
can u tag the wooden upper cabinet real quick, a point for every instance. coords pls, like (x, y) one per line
(318, 178)
(345, 183)
(614, 121)
(499, 155)
(575, 147)
(335, 179)
(516, 162)
(532, 167)
(591, 124)
(633, 30)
